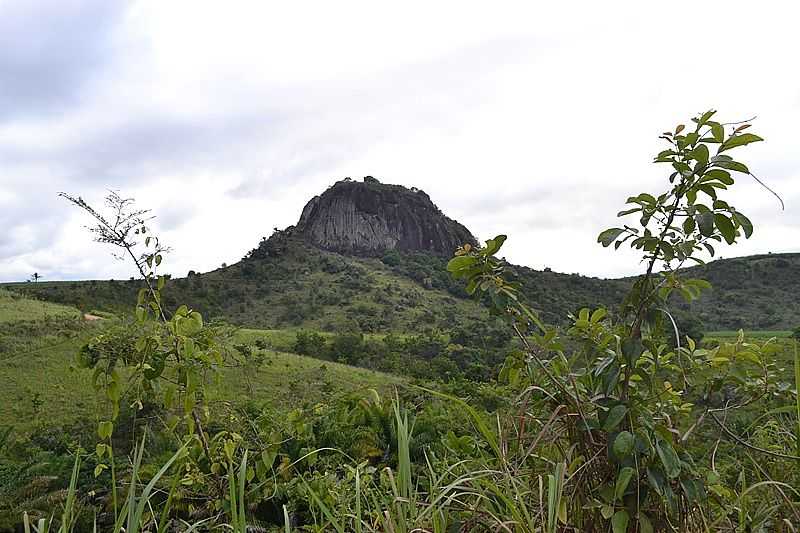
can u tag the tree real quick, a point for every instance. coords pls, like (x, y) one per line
(35, 277)
(628, 390)
(167, 353)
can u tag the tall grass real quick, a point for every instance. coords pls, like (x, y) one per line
(69, 514)
(236, 486)
(132, 517)
(797, 394)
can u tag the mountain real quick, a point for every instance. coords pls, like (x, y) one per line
(371, 218)
(371, 257)
(753, 292)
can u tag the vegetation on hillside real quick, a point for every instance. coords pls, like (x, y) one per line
(300, 286)
(620, 421)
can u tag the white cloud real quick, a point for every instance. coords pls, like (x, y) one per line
(535, 120)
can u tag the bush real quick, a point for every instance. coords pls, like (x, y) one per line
(312, 344)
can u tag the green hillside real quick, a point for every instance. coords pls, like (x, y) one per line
(39, 342)
(300, 286)
(15, 307)
(50, 407)
(758, 292)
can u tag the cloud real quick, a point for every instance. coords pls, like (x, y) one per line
(50, 51)
(531, 120)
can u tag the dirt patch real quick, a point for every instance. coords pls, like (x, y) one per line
(87, 316)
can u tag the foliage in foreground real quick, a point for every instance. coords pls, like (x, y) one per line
(616, 424)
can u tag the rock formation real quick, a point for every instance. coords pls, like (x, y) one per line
(370, 218)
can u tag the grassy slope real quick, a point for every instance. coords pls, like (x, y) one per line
(39, 385)
(308, 288)
(759, 292)
(15, 307)
(303, 288)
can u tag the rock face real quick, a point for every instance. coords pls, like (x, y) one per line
(370, 218)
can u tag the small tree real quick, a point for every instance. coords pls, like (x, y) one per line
(35, 277)
(616, 390)
(166, 354)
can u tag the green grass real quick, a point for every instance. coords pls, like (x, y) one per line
(40, 386)
(38, 341)
(14, 307)
(286, 380)
(302, 288)
(749, 334)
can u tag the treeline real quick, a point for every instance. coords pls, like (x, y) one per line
(473, 353)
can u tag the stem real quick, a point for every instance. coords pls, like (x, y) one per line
(146, 281)
(746, 444)
(113, 479)
(529, 349)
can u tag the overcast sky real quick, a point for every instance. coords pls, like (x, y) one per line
(533, 119)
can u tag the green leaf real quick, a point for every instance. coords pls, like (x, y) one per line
(623, 479)
(745, 223)
(493, 245)
(598, 315)
(632, 348)
(739, 140)
(717, 131)
(689, 225)
(700, 153)
(733, 165)
(705, 221)
(704, 117)
(628, 211)
(667, 251)
(460, 263)
(609, 236)
(725, 227)
(614, 417)
(104, 429)
(655, 478)
(623, 444)
(672, 465)
(718, 174)
(645, 526)
(619, 522)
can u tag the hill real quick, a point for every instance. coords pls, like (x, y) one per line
(753, 292)
(40, 348)
(370, 257)
(370, 218)
(15, 307)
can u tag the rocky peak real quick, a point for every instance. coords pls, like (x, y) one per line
(369, 218)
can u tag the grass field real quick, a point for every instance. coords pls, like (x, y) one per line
(40, 386)
(14, 308)
(750, 334)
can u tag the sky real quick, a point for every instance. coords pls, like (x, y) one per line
(532, 119)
